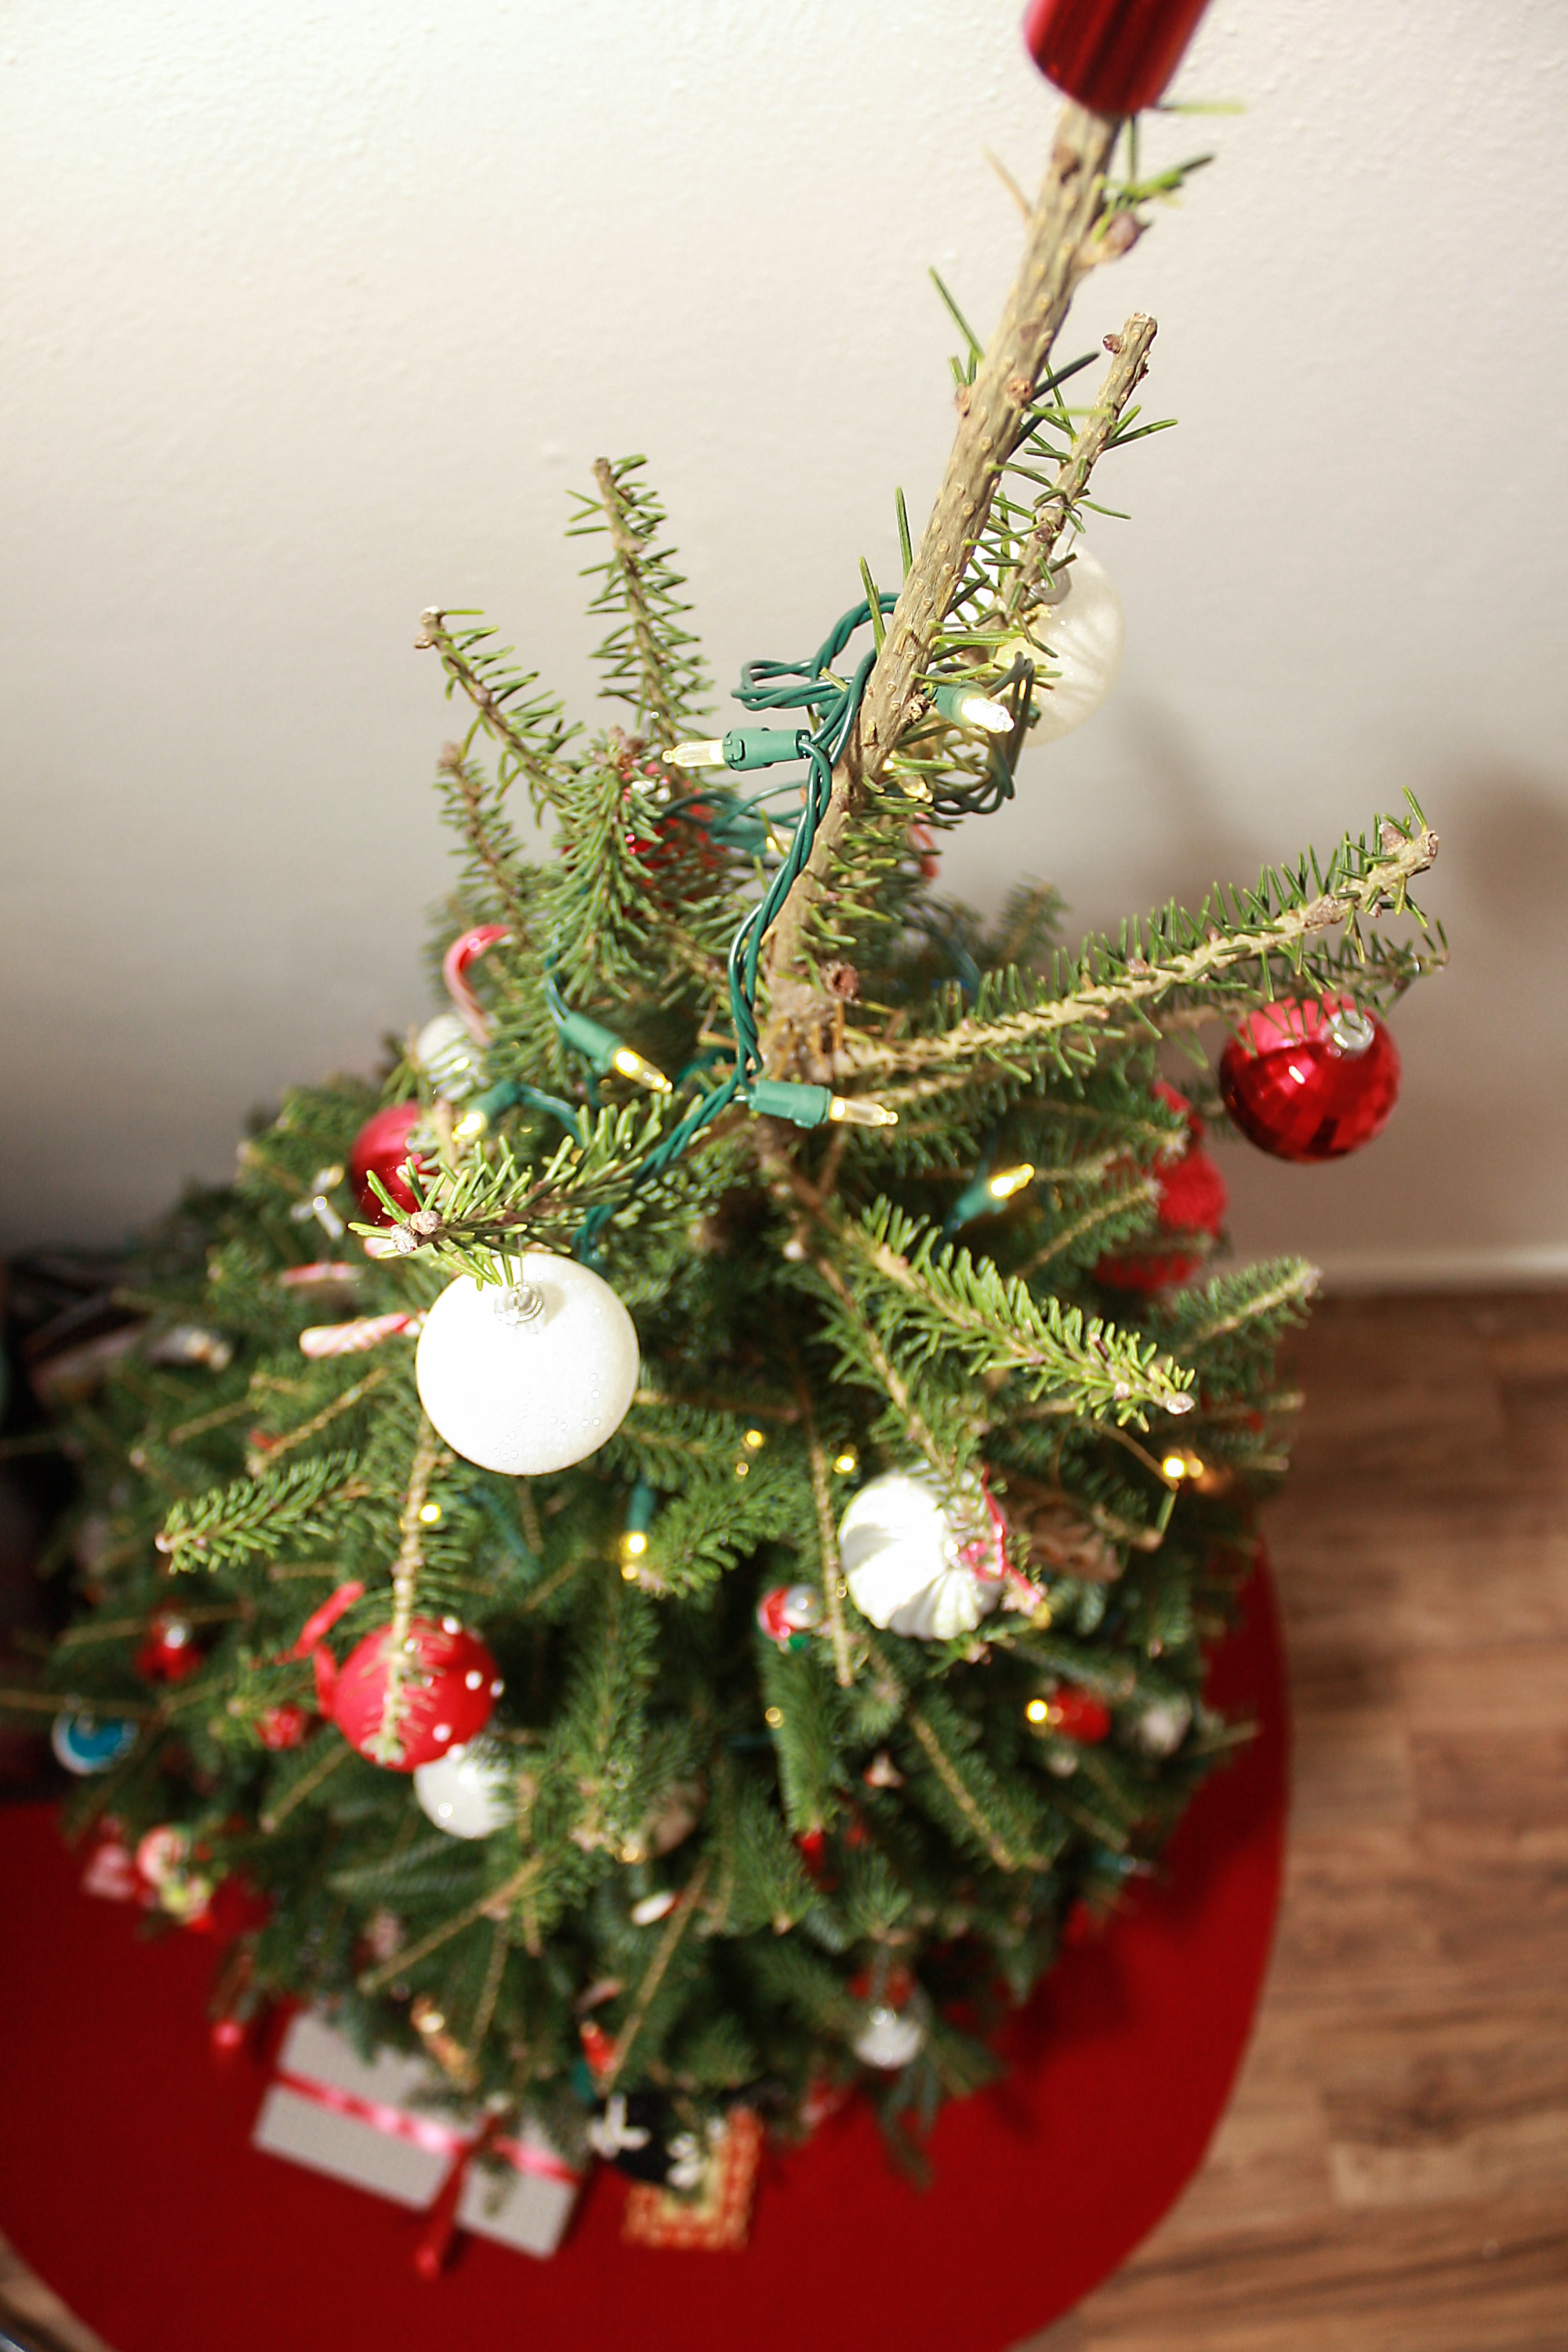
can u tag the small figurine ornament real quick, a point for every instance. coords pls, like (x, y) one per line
(789, 1614)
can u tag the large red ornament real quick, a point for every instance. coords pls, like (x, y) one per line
(1113, 55)
(170, 1652)
(380, 1148)
(448, 1693)
(1311, 1081)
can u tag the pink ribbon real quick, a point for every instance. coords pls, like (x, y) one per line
(427, 2132)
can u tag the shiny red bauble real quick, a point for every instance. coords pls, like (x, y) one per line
(1310, 1080)
(170, 1652)
(447, 1692)
(1077, 1715)
(380, 1148)
(1114, 55)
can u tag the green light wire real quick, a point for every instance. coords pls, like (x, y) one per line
(835, 705)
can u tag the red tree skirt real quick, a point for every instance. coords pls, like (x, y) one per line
(127, 2180)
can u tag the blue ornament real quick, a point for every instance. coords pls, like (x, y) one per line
(91, 1743)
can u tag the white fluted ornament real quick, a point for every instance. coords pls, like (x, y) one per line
(916, 1563)
(1083, 631)
(466, 1793)
(530, 1376)
(450, 1056)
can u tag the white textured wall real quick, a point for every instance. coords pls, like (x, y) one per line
(314, 312)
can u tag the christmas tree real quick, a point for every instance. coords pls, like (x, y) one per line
(671, 1542)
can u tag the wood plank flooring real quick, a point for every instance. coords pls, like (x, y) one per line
(1393, 2174)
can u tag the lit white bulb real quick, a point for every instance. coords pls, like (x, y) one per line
(529, 1379)
(466, 1793)
(1084, 633)
(903, 1560)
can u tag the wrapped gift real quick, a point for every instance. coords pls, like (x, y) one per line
(717, 2214)
(360, 2120)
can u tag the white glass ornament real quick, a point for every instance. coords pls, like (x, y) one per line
(527, 1377)
(450, 1057)
(1083, 631)
(466, 1793)
(910, 1559)
(889, 2038)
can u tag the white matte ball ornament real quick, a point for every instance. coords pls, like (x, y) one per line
(1084, 633)
(911, 1567)
(528, 1378)
(466, 1793)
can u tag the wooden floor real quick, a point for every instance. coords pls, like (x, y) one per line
(1393, 2174)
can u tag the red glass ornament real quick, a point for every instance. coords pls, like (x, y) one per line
(283, 1726)
(1077, 1715)
(1311, 1081)
(170, 1652)
(1191, 1200)
(448, 1694)
(1114, 57)
(380, 1148)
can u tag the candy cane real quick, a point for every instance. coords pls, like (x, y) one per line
(352, 1339)
(462, 952)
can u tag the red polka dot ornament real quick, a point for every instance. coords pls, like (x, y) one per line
(441, 1695)
(1310, 1080)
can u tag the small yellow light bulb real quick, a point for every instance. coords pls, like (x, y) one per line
(430, 1513)
(846, 1462)
(773, 1715)
(632, 1065)
(1009, 1181)
(706, 754)
(979, 710)
(856, 1110)
(430, 2021)
(634, 1544)
(1175, 1467)
(1039, 1711)
(755, 1439)
(743, 1468)
(629, 1572)
(472, 1123)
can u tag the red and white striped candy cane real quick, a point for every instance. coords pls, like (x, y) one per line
(352, 1338)
(462, 952)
